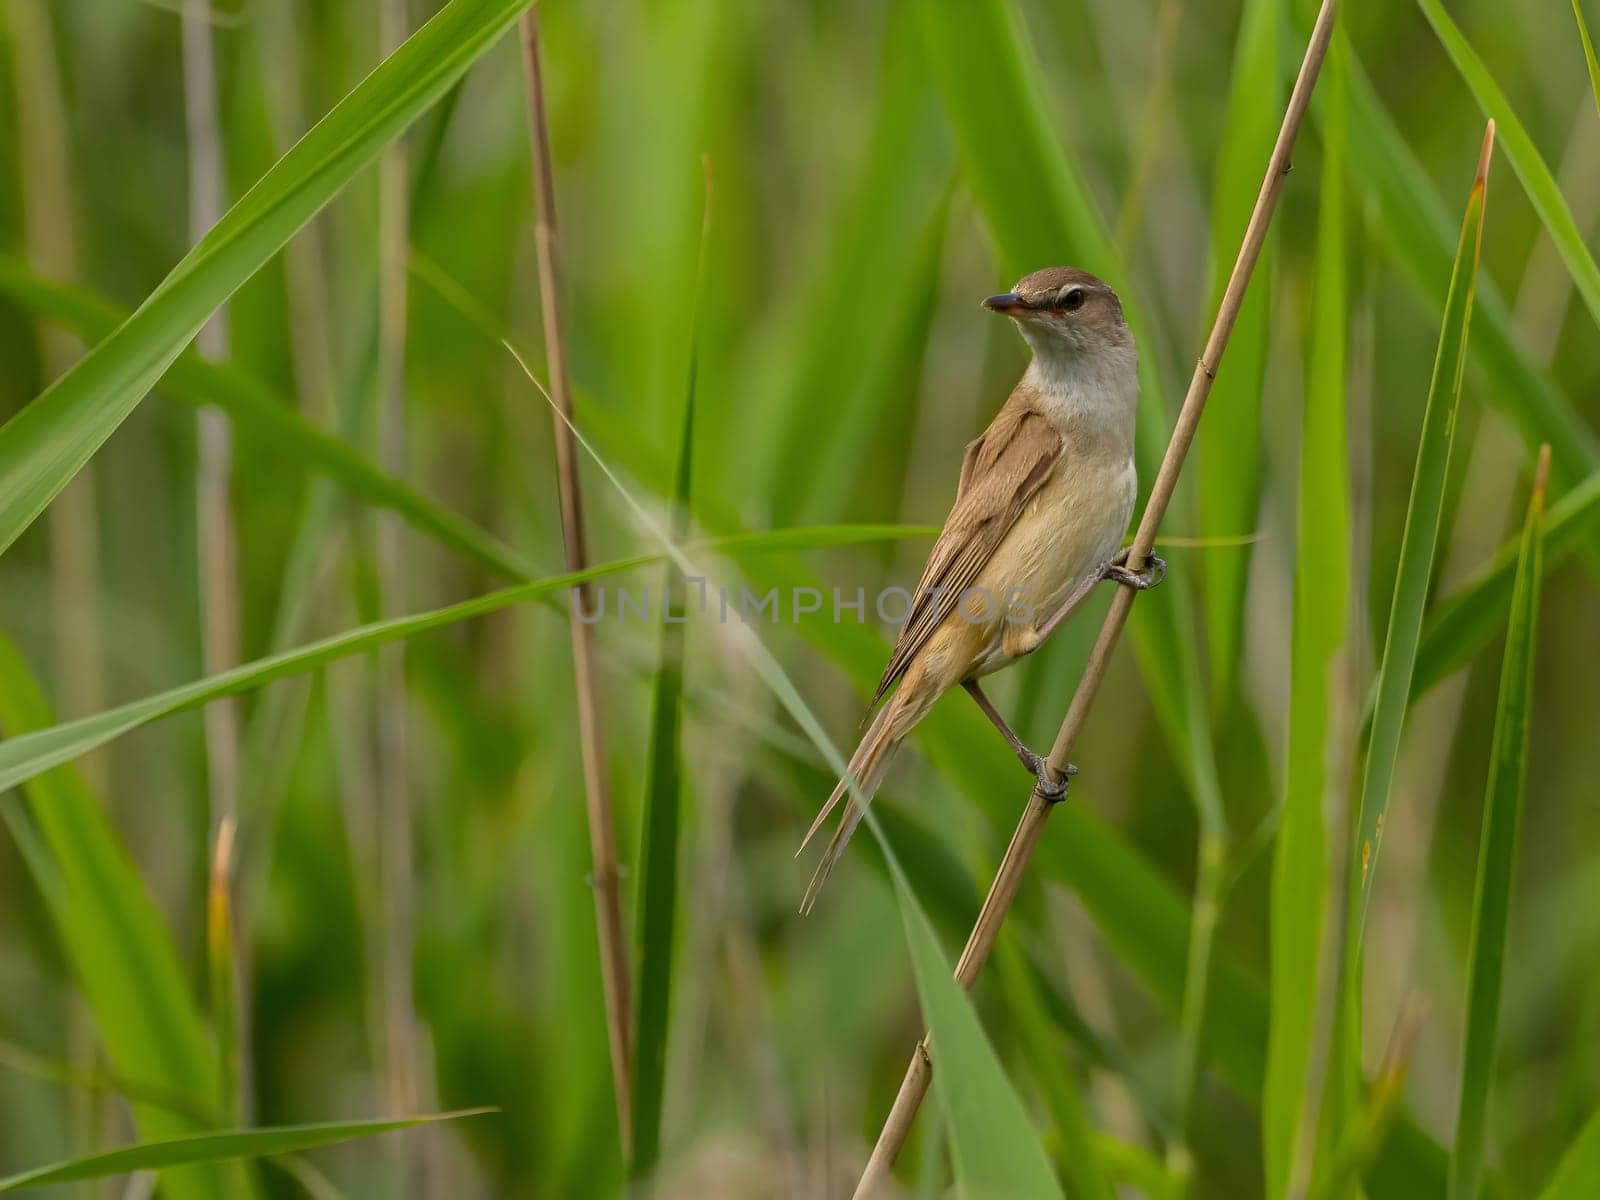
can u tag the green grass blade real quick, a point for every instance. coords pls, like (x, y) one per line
(1462, 624)
(1228, 442)
(1077, 1155)
(658, 877)
(25, 756)
(1537, 181)
(39, 1066)
(115, 940)
(1502, 813)
(1321, 594)
(1367, 1130)
(842, 372)
(217, 1147)
(1579, 1167)
(1139, 1168)
(1420, 231)
(1417, 547)
(996, 1151)
(1588, 52)
(266, 418)
(44, 445)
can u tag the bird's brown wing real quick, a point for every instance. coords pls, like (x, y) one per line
(1002, 469)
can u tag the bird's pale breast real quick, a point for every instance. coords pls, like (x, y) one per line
(1071, 526)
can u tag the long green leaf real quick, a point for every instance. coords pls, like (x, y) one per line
(1579, 1167)
(1502, 813)
(997, 1153)
(1419, 229)
(1321, 593)
(42, 447)
(1415, 568)
(1588, 52)
(1228, 442)
(217, 1147)
(658, 877)
(1413, 574)
(1537, 181)
(843, 372)
(25, 756)
(1077, 1155)
(1462, 624)
(116, 941)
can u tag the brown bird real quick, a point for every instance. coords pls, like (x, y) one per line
(1044, 500)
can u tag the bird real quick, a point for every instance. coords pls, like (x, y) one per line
(1042, 505)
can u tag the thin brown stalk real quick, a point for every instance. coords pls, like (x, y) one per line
(402, 1064)
(614, 967)
(1031, 827)
(219, 585)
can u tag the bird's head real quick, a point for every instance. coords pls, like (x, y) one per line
(1064, 313)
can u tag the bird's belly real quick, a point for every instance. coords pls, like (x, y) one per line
(1069, 529)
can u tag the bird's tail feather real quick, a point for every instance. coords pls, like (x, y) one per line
(868, 765)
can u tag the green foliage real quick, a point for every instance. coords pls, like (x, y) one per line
(1396, 665)
(266, 420)
(1300, 866)
(1574, 1176)
(25, 756)
(879, 168)
(46, 444)
(995, 1148)
(1228, 447)
(1588, 52)
(1502, 813)
(1415, 569)
(216, 1147)
(120, 951)
(658, 889)
(1537, 181)
(1463, 623)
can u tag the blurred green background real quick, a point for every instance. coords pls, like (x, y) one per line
(877, 168)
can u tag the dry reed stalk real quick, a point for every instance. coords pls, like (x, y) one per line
(897, 1126)
(614, 967)
(217, 550)
(403, 1069)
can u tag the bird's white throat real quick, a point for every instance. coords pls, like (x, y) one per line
(1100, 385)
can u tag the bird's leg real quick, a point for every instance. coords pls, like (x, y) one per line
(1048, 787)
(1155, 570)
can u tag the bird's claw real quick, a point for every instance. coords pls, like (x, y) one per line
(1155, 570)
(1050, 789)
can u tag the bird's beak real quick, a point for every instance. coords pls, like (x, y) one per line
(1005, 302)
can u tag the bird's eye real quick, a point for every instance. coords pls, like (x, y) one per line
(1071, 299)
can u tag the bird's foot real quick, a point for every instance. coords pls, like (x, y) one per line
(1050, 789)
(1155, 570)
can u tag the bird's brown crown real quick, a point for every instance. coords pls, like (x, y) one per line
(1042, 288)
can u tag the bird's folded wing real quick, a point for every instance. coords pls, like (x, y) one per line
(1002, 469)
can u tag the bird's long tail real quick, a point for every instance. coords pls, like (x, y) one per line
(868, 765)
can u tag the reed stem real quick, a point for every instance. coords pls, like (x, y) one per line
(919, 1074)
(614, 967)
